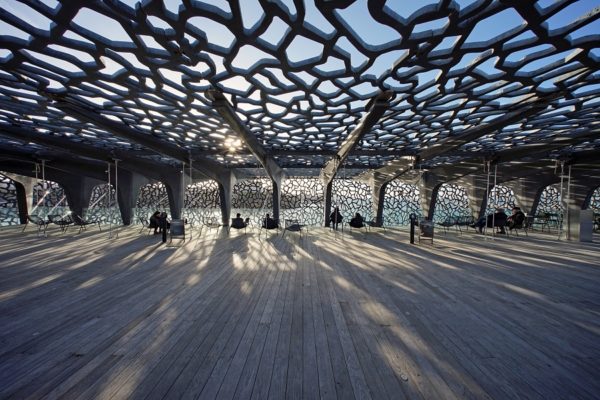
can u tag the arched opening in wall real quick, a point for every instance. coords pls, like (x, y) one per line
(452, 202)
(9, 208)
(49, 199)
(401, 199)
(202, 202)
(252, 198)
(103, 206)
(595, 201)
(352, 196)
(500, 197)
(302, 198)
(152, 197)
(550, 201)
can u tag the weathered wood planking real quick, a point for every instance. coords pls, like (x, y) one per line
(328, 315)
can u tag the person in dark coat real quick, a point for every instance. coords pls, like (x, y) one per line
(516, 219)
(155, 221)
(497, 219)
(335, 218)
(238, 222)
(269, 223)
(357, 221)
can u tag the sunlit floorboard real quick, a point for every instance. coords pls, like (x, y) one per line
(324, 315)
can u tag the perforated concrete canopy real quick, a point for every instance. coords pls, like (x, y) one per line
(292, 84)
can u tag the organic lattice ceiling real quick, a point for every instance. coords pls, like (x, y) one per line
(301, 74)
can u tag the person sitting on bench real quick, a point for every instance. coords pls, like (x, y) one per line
(516, 219)
(497, 219)
(238, 222)
(269, 223)
(335, 218)
(357, 221)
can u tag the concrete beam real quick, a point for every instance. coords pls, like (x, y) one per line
(374, 112)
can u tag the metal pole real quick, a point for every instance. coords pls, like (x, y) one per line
(495, 198)
(487, 197)
(116, 196)
(562, 200)
(108, 206)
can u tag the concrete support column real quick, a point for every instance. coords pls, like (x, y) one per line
(173, 185)
(78, 191)
(378, 195)
(327, 190)
(225, 193)
(24, 186)
(277, 182)
(428, 190)
(129, 189)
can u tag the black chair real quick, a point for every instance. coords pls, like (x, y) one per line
(213, 223)
(293, 225)
(447, 223)
(82, 223)
(269, 225)
(464, 220)
(176, 230)
(238, 223)
(353, 224)
(373, 224)
(62, 222)
(145, 225)
(41, 223)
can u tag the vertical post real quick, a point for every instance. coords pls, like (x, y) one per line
(108, 205)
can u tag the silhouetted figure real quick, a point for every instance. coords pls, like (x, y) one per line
(357, 221)
(335, 218)
(269, 223)
(516, 219)
(238, 222)
(155, 221)
(497, 219)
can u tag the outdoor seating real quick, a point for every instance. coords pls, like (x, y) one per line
(213, 223)
(176, 230)
(426, 230)
(41, 223)
(82, 223)
(237, 224)
(62, 221)
(273, 225)
(293, 225)
(145, 225)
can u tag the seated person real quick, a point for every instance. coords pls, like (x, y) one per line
(516, 219)
(238, 222)
(357, 221)
(154, 221)
(496, 219)
(269, 223)
(335, 218)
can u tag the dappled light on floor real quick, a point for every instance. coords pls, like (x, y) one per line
(329, 314)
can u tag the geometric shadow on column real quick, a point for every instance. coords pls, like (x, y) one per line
(401, 199)
(452, 201)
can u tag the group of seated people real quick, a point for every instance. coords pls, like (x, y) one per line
(158, 221)
(499, 219)
(336, 218)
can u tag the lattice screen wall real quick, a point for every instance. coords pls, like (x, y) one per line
(9, 213)
(452, 201)
(401, 199)
(100, 208)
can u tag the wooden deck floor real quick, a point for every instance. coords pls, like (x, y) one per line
(325, 316)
